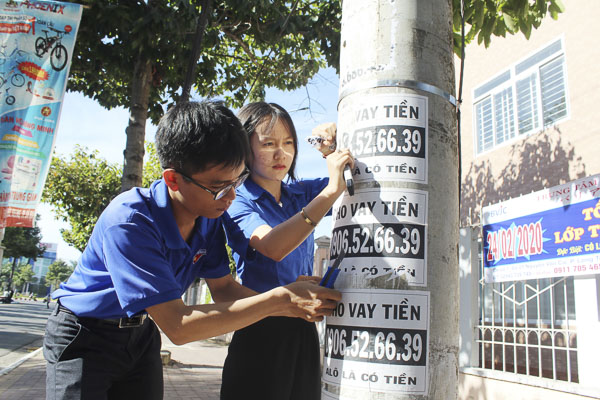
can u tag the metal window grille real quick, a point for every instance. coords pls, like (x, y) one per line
(484, 125)
(504, 115)
(552, 77)
(527, 104)
(527, 327)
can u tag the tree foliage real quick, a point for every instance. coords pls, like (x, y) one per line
(22, 242)
(135, 54)
(488, 18)
(23, 275)
(279, 43)
(152, 168)
(59, 271)
(5, 271)
(79, 188)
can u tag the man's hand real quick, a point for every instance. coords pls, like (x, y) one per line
(304, 278)
(306, 299)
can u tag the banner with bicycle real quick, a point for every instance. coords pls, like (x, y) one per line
(36, 45)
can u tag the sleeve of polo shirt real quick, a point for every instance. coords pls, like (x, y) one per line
(135, 258)
(244, 213)
(312, 187)
(236, 238)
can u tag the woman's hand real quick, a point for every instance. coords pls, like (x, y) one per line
(336, 162)
(327, 131)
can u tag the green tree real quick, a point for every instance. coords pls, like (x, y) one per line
(23, 275)
(135, 54)
(80, 186)
(59, 271)
(21, 242)
(488, 18)
(152, 168)
(5, 273)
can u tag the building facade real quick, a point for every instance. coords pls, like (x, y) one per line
(41, 264)
(528, 123)
(321, 260)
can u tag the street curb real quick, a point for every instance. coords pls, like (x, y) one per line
(14, 365)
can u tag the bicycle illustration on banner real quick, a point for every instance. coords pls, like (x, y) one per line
(10, 72)
(23, 78)
(9, 98)
(59, 54)
(16, 51)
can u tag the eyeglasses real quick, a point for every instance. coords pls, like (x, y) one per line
(218, 194)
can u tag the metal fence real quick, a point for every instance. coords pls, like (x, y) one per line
(528, 327)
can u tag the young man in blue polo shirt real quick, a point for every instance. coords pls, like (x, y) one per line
(147, 247)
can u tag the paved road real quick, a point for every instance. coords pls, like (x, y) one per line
(22, 325)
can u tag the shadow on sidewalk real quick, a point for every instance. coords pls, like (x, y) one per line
(182, 381)
(177, 364)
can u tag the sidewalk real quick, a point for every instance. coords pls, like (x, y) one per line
(193, 373)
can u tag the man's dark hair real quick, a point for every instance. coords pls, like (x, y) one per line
(194, 136)
(254, 114)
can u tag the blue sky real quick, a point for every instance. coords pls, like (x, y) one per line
(83, 122)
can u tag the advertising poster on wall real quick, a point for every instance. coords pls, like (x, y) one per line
(387, 134)
(377, 341)
(37, 39)
(382, 233)
(551, 233)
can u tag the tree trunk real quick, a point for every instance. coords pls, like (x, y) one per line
(136, 131)
(200, 28)
(394, 335)
(12, 272)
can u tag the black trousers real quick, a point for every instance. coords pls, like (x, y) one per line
(88, 358)
(274, 359)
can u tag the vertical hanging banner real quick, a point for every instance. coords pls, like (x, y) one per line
(377, 341)
(37, 39)
(388, 135)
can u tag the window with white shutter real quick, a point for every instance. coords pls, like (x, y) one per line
(527, 97)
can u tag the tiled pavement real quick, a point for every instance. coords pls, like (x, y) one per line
(193, 373)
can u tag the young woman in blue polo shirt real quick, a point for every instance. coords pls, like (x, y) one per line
(278, 358)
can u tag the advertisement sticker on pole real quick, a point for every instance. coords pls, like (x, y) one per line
(377, 341)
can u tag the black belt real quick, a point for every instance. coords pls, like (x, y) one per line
(125, 322)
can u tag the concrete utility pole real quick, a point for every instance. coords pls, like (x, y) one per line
(394, 335)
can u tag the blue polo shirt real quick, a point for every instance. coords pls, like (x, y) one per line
(137, 258)
(253, 207)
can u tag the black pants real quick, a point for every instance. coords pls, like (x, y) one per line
(88, 358)
(274, 359)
